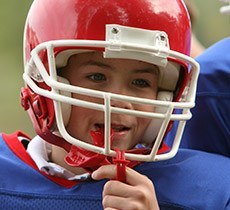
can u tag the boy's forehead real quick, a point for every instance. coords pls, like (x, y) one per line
(96, 58)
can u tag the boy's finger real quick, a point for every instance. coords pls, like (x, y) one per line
(105, 172)
(110, 172)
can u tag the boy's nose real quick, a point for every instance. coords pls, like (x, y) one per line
(121, 90)
(121, 104)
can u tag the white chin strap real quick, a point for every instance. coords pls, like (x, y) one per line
(155, 125)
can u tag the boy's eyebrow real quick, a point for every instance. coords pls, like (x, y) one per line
(152, 70)
(97, 63)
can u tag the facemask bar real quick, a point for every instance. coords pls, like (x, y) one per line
(31, 74)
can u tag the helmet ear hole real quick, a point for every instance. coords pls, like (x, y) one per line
(66, 108)
(153, 129)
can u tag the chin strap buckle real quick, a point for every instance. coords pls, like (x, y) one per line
(121, 163)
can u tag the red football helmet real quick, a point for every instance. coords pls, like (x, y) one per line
(154, 31)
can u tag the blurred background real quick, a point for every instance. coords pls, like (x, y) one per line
(209, 26)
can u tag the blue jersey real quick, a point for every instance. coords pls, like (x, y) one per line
(209, 128)
(191, 180)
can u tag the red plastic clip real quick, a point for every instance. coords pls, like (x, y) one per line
(121, 163)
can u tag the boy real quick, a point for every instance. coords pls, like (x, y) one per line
(102, 81)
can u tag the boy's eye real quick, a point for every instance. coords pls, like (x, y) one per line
(97, 77)
(140, 83)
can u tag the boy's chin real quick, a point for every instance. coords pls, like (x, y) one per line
(121, 147)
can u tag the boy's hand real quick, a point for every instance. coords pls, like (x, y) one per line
(137, 193)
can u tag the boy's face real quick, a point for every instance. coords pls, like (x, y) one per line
(120, 76)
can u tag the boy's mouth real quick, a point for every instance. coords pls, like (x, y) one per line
(118, 133)
(115, 127)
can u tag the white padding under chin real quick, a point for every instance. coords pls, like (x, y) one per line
(155, 125)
